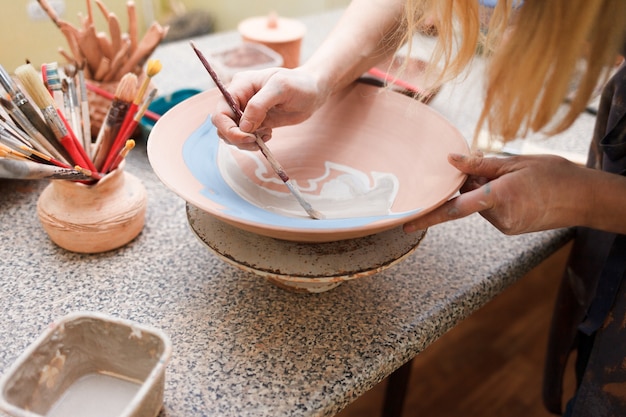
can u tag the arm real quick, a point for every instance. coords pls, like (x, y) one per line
(365, 35)
(532, 193)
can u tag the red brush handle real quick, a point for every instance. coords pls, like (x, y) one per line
(110, 163)
(76, 151)
(396, 81)
(130, 114)
(104, 93)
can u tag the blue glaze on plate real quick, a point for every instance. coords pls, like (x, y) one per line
(200, 155)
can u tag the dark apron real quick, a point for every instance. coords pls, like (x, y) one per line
(590, 310)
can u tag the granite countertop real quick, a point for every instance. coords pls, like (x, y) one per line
(241, 345)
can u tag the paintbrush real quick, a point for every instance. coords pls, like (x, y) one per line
(73, 108)
(52, 80)
(128, 146)
(23, 152)
(32, 82)
(8, 153)
(11, 150)
(88, 173)
(278, 169)
(111, 162)
(25, 106)
(124, 95)
(153, 68)
(84, 110)
(35, 137)
(29, 170)
(104, 93)
(43, 158)
(15, 131)
(10, 138)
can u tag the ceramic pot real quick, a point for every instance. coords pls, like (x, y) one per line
(281, 34)
(93, 218)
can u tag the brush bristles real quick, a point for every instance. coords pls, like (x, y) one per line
(32, 82)
(128, 146)
(127, 88)
(153, 67)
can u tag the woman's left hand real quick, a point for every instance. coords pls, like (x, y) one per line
(516, 194)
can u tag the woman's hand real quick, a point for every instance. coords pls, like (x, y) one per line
(268, 98)
(518, 194)
(366, 35)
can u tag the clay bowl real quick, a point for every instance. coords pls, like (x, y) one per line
(370, 160)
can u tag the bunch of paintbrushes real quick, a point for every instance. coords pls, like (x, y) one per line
(46, 133)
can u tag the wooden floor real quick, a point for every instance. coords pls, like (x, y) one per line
(488, 366)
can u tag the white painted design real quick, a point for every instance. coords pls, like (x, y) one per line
(340, 192)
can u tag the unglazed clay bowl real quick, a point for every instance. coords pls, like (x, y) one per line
(369, 160)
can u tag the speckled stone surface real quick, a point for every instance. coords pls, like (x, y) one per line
(242, 346)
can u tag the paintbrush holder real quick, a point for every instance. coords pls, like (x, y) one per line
(93, 218)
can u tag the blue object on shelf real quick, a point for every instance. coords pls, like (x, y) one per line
(164, 103)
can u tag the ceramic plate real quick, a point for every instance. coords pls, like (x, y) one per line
(369, 160)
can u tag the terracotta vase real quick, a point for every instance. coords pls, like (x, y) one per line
(93, 218)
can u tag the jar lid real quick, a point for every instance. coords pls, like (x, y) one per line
(272, 29)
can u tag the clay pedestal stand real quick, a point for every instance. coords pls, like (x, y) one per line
(93, 218)
(280, 34)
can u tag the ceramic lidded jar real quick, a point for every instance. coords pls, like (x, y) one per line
(93, 218)
(281, 34)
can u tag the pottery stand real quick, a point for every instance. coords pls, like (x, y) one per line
(300, 266)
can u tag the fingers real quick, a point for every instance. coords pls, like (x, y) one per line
(477, 200)
(514, 193)
(243, 140)
(478, 166)
(232, 130)
(240, 135)
(259, 92)
(477, 194)
(229, 131)
(257, 108)
(268, 98)
(473, 182)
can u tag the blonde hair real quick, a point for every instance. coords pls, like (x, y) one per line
(533, 49)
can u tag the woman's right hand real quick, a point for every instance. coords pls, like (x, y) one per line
(268, 98)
